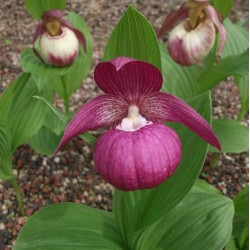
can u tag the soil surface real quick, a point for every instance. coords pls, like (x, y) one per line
(71, 176)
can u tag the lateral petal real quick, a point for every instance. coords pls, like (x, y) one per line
(102, 111)
(128, 78)
(217, 20)
(163, 107)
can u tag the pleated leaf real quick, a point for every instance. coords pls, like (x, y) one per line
(23, 113)
(237, 39)
(69, 226)
(202, 220)
(135, 210)
(223, 7)
(56, 125)
(243, 86)
(36, 8)
(133, 37)
(232, 135)
(235, 65)
(178, 80)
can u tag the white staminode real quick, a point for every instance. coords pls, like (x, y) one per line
(133, 121)
(61, 46)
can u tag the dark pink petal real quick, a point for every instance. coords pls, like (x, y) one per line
(53, 13)
(163, 107)
(127, 78)
(140, 159)
(78, 33)
(173, 17)
(217, 20)
(102, 111)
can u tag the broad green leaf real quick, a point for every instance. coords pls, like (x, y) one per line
(178, 80)
(231, 244)
(203, 186)
(79, 70)
(6, 172)
(237, 38)
(72, 75)
(241, 204)
(89, 138)
(235, 65)
(202, 220)
(56, 111)
(135, 210)
(45, 141)
(232, 135)
(23, 114)
(36, 8)
(223, 7)
(5, 140)
(243, 86)
(69, 226)
(133, 37)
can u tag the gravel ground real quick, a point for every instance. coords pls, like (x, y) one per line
(70, 176)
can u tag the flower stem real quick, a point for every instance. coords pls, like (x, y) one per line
(14, 183)
(215, 160)
(65, 95)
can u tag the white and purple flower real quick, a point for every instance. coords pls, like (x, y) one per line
(192, 39)
(138, 151)
(58, 39)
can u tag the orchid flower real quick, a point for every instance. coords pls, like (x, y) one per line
(138, 151)
(58, 39)
(192, 39)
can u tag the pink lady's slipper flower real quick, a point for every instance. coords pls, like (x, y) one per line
(192, 39)
(138, 151)
(58, 39)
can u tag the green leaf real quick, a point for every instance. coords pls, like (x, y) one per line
(45, 141)
(89, 138)
(81, 67)
(231, 244)
(36, 8)
(203, 186)
(243, 86)
(23, 114)
(69, 226)
(235, 65)
(241, 218)
(202, 220)
(5, 140)
(232, 135)
(237, 39)
(178, 80)
(72, 75)
(133, 37)
(223, 7)
(135, 210)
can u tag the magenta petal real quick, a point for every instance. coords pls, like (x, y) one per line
(163, 107)
(216, 19)
(173, 17)
(140, 159)
(102, 111)
(128, 78)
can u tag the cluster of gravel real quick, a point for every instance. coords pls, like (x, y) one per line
(71, 176)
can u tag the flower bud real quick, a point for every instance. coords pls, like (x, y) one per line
(59, 50)
(189, 46)
(58, 41)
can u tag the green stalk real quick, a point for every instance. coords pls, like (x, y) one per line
(65, 96)
(215, 159)
(14, 183)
